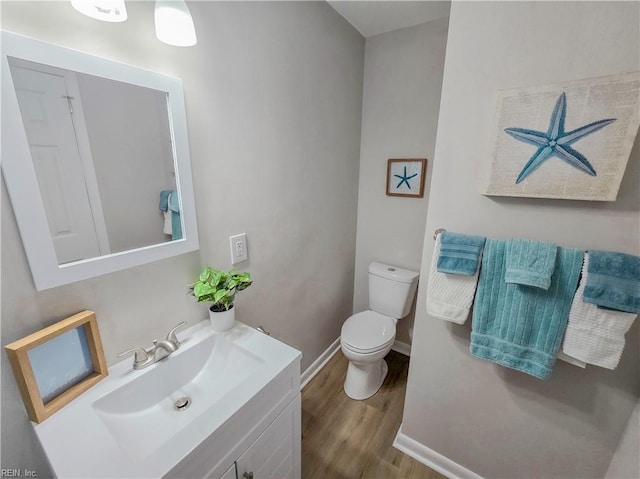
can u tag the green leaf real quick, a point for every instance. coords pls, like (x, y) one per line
(218, 295)
(202, 290)
(217, 278)
(205, 274)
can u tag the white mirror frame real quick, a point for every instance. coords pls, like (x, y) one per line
(22, 183)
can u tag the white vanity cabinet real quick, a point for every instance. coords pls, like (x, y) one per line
(231, 473)
(243, 389)
(276, 453)
(261, 441)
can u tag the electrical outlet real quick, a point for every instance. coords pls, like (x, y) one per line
(238, 246)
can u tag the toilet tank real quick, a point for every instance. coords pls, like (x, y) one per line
(391, 289)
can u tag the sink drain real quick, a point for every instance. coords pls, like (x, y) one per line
(182, 403)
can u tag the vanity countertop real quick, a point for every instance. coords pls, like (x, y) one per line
(127, 427)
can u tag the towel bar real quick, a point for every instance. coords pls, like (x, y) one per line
(438, 231)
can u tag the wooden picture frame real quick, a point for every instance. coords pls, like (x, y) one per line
(405, 177)
(71, 346)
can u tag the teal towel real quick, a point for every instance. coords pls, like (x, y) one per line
(613, 281)
(176, 222)
(172, 202)
(530, 262)
(164, 200)
(459, 254)
(518, 326)
(169, 201)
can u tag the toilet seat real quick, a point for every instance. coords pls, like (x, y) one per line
(366, 351)
(368, 332)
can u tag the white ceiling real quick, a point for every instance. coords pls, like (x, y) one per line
(373, 17)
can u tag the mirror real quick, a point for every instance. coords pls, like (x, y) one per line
(102, 154)
(96, 162)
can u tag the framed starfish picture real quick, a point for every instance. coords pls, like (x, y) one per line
(569, 140)
(405, 177)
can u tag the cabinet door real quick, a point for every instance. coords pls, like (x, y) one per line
(276, 453)
(231, 473)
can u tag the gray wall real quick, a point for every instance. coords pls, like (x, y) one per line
(625, 462)
(401, 97)
(273, 95)
(277, 158)
(497, 422)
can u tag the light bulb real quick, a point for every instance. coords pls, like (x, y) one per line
(174, 24)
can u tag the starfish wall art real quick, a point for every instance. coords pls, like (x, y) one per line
(556, 142)
(570, 140)
(405, 177)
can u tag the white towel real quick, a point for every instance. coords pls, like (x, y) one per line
(568, 359)
(595, 335)
(449, 296)
(167, 222)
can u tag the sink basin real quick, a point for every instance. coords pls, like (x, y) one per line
(203, 375)
(127, 426)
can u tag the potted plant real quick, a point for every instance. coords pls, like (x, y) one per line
(220, 288)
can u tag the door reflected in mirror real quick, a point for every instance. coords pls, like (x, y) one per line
(103, 158)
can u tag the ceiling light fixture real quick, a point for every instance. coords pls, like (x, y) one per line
(105, 10)
(174, 25)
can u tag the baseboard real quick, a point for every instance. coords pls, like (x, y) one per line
(431, 458)
(319, 363)
(402, 348)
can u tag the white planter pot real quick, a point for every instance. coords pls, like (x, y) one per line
(222, 321)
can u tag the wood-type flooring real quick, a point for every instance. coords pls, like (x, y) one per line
(347, 439)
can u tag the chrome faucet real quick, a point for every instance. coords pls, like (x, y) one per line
(141, 360)
(162, 348)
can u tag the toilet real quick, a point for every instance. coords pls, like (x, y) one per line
(367, 337)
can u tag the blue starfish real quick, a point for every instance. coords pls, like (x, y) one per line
(404, 178)
(555, 142)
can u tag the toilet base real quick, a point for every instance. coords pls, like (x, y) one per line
(365, 379)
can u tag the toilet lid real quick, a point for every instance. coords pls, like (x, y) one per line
(368, 330)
